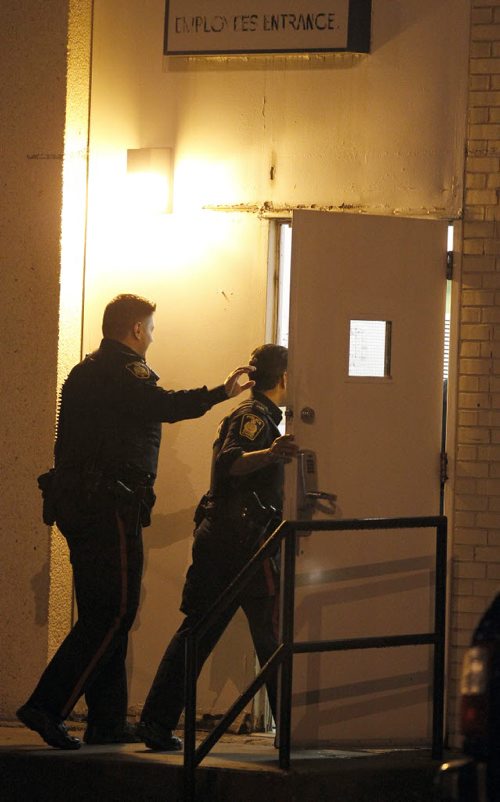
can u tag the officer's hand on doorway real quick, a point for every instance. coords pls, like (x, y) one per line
(283, 448)
(233, 386)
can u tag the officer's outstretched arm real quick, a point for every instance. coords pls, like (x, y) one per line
(283, 449)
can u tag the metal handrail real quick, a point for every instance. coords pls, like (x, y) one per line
(283, 656)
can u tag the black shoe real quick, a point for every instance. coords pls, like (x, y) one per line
(51, 729)
(99, 734)
(158, 738)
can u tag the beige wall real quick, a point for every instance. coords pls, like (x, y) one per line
(45, 63)
(381, 133)
(33, 39)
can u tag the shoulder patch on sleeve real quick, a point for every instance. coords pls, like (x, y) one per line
(251, 426)
(139, 370)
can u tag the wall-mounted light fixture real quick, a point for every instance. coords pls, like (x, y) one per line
(149, 178)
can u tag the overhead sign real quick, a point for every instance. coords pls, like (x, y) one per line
(229, 27)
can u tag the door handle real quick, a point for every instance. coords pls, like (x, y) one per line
(320, 495)
(307, 481)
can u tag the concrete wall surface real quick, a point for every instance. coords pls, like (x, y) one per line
(33, 41)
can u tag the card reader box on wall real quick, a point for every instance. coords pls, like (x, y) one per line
(233, 27)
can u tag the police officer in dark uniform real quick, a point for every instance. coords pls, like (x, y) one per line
(100, 493)
(244, 503)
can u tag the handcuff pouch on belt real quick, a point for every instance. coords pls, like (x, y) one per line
(73, 483)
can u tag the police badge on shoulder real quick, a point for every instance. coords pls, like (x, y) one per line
(251, 426)
(139, 369)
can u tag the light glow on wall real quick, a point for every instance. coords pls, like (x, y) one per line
(147, 193)
(149, 180)
(201, 182)
(128, 236)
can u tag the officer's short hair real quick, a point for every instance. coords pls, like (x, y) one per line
(270, 362)
(122, 313)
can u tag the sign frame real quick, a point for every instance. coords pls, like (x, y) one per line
(358, 36)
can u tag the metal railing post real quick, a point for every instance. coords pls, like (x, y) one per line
(439, 646)
(287, 617)
(190, 720)
(287, 534)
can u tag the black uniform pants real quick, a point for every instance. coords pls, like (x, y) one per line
(106, 554)
(165, 700)
(217, 557)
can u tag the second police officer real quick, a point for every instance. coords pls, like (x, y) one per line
(244, 502)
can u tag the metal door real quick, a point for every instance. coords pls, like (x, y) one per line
(377, 444)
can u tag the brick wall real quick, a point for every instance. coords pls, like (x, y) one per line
(476, 541)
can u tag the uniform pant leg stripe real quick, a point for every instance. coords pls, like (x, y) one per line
(77, 690)
(270, 582)
(276, 615)
(272, 589)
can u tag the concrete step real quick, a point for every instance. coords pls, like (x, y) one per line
(240, 769)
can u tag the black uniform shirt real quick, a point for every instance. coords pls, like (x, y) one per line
(252, 426)
(112, 408)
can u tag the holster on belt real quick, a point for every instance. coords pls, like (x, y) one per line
(141, 495)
